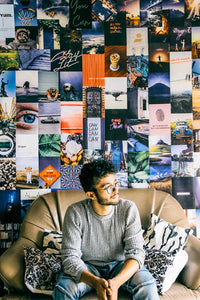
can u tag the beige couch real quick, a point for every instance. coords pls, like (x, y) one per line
(47, 212)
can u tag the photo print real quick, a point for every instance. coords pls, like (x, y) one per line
(115, 93)
(93, 102)
(195, 73)
(196, 159)
(132, 13)
(198, 223)
(93, 133)
(48, 86)
(138, 169)
(34, 59)
(8, 174)
(27, 86)
(196, 181)
(70, 38)
(25, 38)
(160, 150)
(7, 24)
(9, 60)
(104, 10)
(160, 34)
(93, 70)
(196, 104)
(27, 172)
(180, 38)
(49, 34)
(49, 172)
(158, 58)
(93, 39)
(150, 13)
(92, 154)
(115, 61)
(53, 9)
(66, 60)
(8, 127)
(28, 196)
(182, 190)
(25, 13)
(138, 134)
(138, 107)
(26, 147)
(71, 149)
(182, 161)
(192, 12)
(160, 178)
(196, 135)
(7, 81)
(159, 123)
(49, 145)
(176, 8)
(116, 124)
(115, 30)
(159, 88)
(27, 118)
(71, 86)
(10, 207)
(72, 117)
(69, 178)
(49, 118)
(195, 43)
(181, 129)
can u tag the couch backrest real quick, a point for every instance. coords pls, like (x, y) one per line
(47, 212)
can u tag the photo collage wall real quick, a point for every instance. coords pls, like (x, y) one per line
(88, 79)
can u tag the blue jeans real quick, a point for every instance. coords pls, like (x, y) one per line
(142, 285)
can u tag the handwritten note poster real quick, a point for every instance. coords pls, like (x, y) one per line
(80, 14)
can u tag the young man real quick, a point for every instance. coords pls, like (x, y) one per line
(102, 245)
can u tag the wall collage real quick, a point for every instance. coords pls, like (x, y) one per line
(84, 79)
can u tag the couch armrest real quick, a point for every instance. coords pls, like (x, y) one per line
(190, 276)
(12, 265)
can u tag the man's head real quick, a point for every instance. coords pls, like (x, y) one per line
(99, 182)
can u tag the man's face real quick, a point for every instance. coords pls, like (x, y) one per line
(106, 191)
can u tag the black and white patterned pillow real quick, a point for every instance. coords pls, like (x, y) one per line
(164, 236)
(41, 270)
(157, 262)
(52, 242)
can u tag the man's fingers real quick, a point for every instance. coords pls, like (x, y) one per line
(109, 291)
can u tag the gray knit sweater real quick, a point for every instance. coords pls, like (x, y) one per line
(100, 240)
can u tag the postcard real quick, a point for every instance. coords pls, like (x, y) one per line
(10, 207)
(181, 129)
(55, 10)
(159, 88)
(27, 86)
(137, 41)
(49, 145)
(25, 14)
(115, 30)
(93, 102)
(132, 13)
(49, 172)
(115, 93)
(8, 165)
(182, 161)
(80, 14)
(9, 60)
(138, 107)
(49, 34)
(158, 58)
(93, 133)
(34, 59)
(93, 39)
(71, 86)
(160, 150)
(48, 87)
(7, 81)
(182, 191)
(27, 172)
(72, 117)
(93, 76)
(159, 122)
(69, 178)
(26, 147)
(115, 61)
(7, 21)
(138, 134)
(71, 149)
(27, 118)
(116, 124)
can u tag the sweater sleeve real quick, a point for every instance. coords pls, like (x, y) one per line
(133, 237)
(71, 253)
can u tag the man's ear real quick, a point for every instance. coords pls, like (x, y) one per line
(90, 195)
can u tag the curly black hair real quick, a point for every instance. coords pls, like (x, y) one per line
(93, 171)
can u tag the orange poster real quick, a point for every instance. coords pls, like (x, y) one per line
(93, 69)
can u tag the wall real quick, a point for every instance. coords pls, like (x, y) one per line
(82, 80)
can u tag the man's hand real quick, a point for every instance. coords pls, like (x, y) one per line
(113, 290)
(103, 289)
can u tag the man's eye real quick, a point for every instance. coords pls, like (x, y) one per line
(29, 118)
